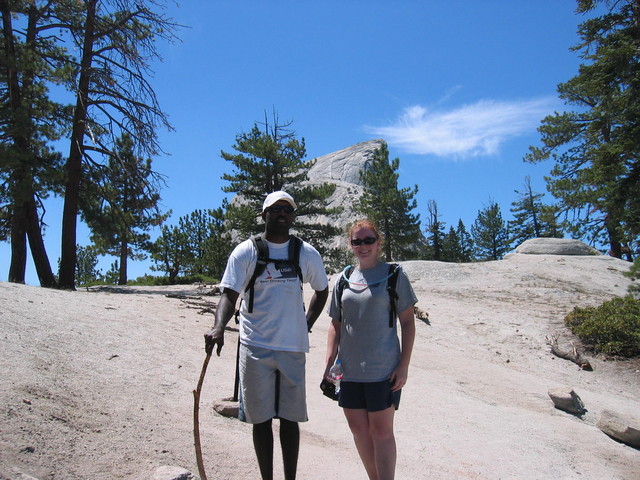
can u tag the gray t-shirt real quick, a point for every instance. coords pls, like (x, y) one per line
(369, 349)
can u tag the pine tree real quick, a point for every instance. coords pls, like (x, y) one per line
(270, 158)
(467, 246)
(532, 219)
(120, 205)
(390, 207)
(490, 233)
(30, 61)
(435, 233)
(171, 253)
(115, 41)
(207, 241)
(86, 271)
(451, 248)
(596, 148)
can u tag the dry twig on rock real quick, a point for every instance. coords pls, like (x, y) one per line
(573, 355)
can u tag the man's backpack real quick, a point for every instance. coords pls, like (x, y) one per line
(260, 244)
(392, 280)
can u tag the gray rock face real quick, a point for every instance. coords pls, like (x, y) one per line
(342, 168)
(555, 246)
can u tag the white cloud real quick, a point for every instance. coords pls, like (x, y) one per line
(468, 131)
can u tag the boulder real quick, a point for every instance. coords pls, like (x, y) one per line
(565, 399)
(555, 246)
(226, 407)
(168, 472)
(625, 430)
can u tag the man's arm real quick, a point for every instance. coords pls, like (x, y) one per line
(224, 311)
(315, 307)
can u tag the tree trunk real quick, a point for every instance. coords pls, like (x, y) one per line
(124, 247)
(36, 243)
(24, 218)
(74, 163)
(18, 263)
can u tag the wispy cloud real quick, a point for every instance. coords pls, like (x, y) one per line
(472, 130)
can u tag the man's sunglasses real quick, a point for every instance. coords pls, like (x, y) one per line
(278, 208)
(367, 241)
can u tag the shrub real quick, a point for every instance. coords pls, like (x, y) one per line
(634, 274)
(612, 328)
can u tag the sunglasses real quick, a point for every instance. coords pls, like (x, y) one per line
(278, 208)
(356, 242)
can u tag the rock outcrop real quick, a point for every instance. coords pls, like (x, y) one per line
(342, 168)
(555, 246)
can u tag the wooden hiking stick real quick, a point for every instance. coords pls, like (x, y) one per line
(196, 418)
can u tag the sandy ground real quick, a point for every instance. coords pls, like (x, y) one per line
(97, 385)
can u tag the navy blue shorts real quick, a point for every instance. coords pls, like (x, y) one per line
(372, 397)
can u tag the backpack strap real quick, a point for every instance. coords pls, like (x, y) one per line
(260, 244)
(295, 245)
(262, 248)
(394, 271)
(343, 281)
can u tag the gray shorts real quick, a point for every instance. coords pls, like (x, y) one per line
(272, 385)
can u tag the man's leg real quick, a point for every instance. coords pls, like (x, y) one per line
(263, 445)
(290, 444)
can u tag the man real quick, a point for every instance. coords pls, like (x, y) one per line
(273, 333)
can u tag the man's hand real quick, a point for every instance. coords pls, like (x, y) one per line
(212, 338)
(224, 312)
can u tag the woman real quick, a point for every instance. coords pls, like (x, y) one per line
(375, 364)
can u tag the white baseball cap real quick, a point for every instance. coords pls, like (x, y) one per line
(273, 197)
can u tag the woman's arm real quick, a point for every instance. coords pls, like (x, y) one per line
(333, 340)
(408, 334)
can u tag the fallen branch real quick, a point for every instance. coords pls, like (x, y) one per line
(573, 355)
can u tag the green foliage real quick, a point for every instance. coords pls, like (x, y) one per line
(435, 249)
(270, 158)
(532, 219)
(208, 242)
(596, 148)
(86, 272)
(634, 274)
(612, 328)
(120, 205)
(490, 233)
(390, 207)
(171, 252)
(467, 247)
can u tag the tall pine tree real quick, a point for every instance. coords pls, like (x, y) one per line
(390, 206)
(120, 205)
(435, 233)
(532, 219)
(596, 147)
(269, 158)
(490, 233)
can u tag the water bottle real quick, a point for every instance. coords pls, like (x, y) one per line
(336, 374)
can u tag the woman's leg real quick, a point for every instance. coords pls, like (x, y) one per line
(358, 421)
(384, 442)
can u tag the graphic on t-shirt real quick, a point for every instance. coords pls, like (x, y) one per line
(276, 270)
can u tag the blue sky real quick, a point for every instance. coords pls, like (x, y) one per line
(457, 89)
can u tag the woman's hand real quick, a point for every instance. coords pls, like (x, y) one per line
(399, 377)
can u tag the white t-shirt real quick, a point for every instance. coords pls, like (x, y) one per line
(278, 320)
